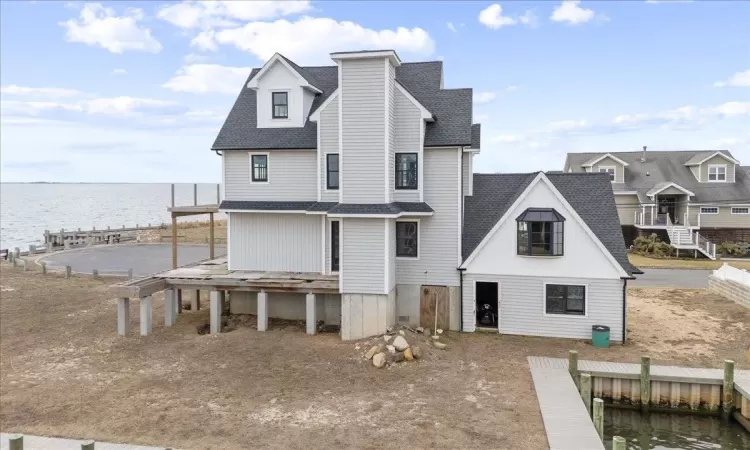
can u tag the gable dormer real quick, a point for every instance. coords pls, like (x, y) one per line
(284, 94)
(713, 167)
(607, 163)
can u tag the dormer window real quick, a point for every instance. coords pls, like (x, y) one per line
(280, 105)
(717, 172)
(609, 170)
(540, 232)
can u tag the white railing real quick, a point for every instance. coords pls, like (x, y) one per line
(706, 246)
(727, 272)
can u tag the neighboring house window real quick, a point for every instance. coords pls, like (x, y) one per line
(740, 210)
(610, 171)
(407, 239)
(280, 105)
(540, 232)
(717, 173)
(407, 171)
(709, 210)
(332, 171)
(260, 168)
(565, 299)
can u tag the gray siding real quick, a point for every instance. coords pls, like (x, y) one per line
(363, 256)
(720, 161)
(363, 103)
(275, 242)
(291, 176)
(626, 207)
(329, 143)
(609, 162)
(407, 140)
(522, 307)
(695, 171)
(725, 218)
(439, 238)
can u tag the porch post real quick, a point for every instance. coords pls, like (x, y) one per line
(196, 300)
(147, 309)
(170, 311)
(178, 302)
(653, 210)
(312, 320)
(215, 312)
(123, 316)
(262, 311)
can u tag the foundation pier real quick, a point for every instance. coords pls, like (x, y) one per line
(196, 300)
(123, 316)
(215, 311)
(262, 310)
(170, 307)
(178, 303)
(311, 310)
(147, 310)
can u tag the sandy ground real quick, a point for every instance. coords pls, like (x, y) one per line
(65, 372)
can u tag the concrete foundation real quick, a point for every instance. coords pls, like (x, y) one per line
(288, 306)
(147, 309)
(364, 315)
(311, 308)
(123, 316)
(262, 308)
(215, 312)
(170, 307)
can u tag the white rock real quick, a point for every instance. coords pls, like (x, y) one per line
(420, 329)
(378, 360)
(400, 343)
(439, 345)
(439, 331)
(435, 337)
(401, 332)
(391, 349)
(387, 338)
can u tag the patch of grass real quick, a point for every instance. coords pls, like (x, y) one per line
(645, 262)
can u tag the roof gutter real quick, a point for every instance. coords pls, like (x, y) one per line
(217, 152)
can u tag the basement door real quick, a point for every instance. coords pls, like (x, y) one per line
(434, 301)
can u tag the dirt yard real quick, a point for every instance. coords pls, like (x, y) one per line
(65, 372)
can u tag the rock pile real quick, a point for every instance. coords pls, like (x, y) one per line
(395, 348)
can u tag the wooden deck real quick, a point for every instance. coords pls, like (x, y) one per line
(49, 443)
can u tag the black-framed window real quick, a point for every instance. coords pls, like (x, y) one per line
(332, 171)
(260, 167)
(565, 299)
(541, 232)
(335, 258)
(407, 239)
(610, 171)
(280, 105)
(407, 171)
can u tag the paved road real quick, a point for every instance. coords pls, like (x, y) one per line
(680, 278)
(144, 259)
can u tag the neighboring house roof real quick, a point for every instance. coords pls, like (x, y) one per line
(745, 169)
(701, 157)
(451, 109)
(670, 167)
(395, 208)
(476, 136)
(589, 194)
(598, 158)
(659, 187)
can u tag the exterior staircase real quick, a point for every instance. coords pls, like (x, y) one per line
(682, 238)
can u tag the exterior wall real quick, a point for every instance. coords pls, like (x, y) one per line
(408, 139)
(363, 130)
(362, 256)
(364, 315)
(275, 242)
(522, 304)
(717, 160)
(671, 191)
(391, 108)
(289, 306)
(609, 162)
(725, 218)
(439, 234)
(390, 243)
(328, 127)
(279, 79)
(291, 176)
(626, 207)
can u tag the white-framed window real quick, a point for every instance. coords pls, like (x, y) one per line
(565, 299)
(610, 170)
(709, 210)
(717, 172)
(740, 210)
(259, 167)
(407, 239)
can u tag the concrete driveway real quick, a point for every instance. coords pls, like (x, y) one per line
(677, 278)
(144, 259)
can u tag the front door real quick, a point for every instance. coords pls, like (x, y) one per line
(668, 206)
(334, 246)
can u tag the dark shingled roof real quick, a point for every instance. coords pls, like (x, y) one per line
(380, 208)
(589, 194)
(451, 109)
(476, 136)
(266, 206)
(329, 207)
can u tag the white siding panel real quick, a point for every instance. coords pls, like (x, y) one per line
(291, 176)
(391, 176)
(407, 140)
(275, 242)
(328, 127)
(466, 172)
(363, 256)
(627, 205)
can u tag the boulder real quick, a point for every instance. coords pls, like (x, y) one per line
(397, 357)
(370, 353)
(420, 329)
(391, 349)
(400, 343)
(378, 360)
(408, 355)
(401, 332)
(416, 352)
(439, 345)
(387, 338)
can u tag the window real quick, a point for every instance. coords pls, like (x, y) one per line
(740, 210)
(709, 210)
(332, 171)
(407, 171)
(335, 254)
(407, 239)
(260, 168)
(717, 173)
(540, 232)
(280, 105)
(610, 171)
(565, 299)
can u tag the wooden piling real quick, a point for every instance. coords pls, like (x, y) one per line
(645, 383)
(95, 273)
(195, 194)
(130, 274)
(573, 365)
(174, 241)
(15, 261)
(87, 445)
(618, 443)
(211, 235)
(585, 390)
(44, 268)
(15, 442)
(727, 391)
(68, 270)
(172, 199)
(599, 417)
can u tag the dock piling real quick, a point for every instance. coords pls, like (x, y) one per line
(15, 442)
(95, 273)
(727, 391)
(15, 261)
(87, 445)
(130, 274)
(573, 366)
(645, 383)
(585, 391)
(195, 194)
(67, 271)
(44, 267)
(618, 443)
(599, 417)
(25, 265)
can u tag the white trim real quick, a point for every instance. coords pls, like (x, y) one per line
(420, 163)
(459, 224)
(229, 241)
(732, 208)
(325, 164)
(674, 185)
(389, 54)
(614, 172)
(253, 84)
(606, 155)
(471, 150)
(315, 116)
(572, 316)
(223, 191)
(323, 246)
(419, 240)
(542, 178)
(386, 128)
(625, 192)
(717, 180)
(317, 156)
(267, 211)
(268, 166)
(722, 154)
(471, 175)
(499, 299)
(386, 253)
(424, 113)
(341, 256)
(384, 216)
(700, 211)
(341, 134)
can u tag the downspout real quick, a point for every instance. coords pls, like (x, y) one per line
(624, 307)
(218, 152)
(461, 296)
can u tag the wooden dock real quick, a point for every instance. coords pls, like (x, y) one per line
(31, 442)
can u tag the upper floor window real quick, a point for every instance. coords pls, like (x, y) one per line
(407, 239)
(610, 171)
(332, 171)
(709, 210)
(259, 168)
(740, 210)
(280, 105)
(407, 171)
(717, 173)
(540, 232)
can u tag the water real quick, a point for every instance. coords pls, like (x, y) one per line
(673, 431)
(26, 210)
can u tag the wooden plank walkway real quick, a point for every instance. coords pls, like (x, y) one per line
(49, 443)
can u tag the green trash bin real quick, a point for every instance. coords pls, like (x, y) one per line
(600, 336)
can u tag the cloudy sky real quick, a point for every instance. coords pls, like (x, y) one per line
(136, 91)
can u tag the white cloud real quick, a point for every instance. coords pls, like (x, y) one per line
(669, 1)
(119, 72)
(122, 105)
(451, 27)
(219, 14)
(204, 78)
(529, 18)
(492, 17)
(566, 125)
(100, 26)
(14, 89)
(125, 105)
(310, 40)
(568, 11)
(33, 108)
(484, 97)
(480, 117)
(739, 79)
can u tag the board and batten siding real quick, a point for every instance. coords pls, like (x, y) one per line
(721, 161)
(328, 127)
(408, 139)
(725, 218)
(291, 176)
(363, 130)
(363, 256)
(439, 238)
(609, 162)
(275, 242)
(522, 306)
(627, 205)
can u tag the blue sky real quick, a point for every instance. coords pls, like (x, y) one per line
(136, 91)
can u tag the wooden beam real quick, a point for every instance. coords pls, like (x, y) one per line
(141, 288)
(174, 241)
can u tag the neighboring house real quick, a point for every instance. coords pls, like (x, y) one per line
(695, 198)
(360, 171)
